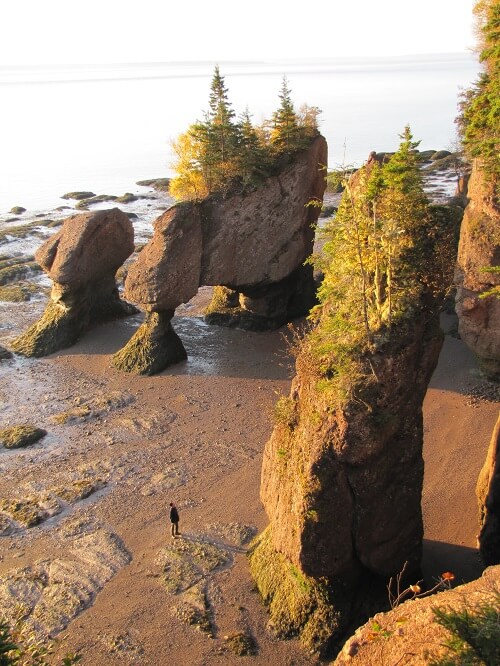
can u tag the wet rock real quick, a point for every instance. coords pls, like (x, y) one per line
(18, 210)
(78, 195)
(160, 184)
(82, 260)
(479, 251)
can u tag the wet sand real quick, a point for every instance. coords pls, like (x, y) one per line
(195, 434)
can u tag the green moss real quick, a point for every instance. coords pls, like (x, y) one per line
(18, 293)
(20, 436)
(16, 270)
(128, 197)
(56, 329)
(241, 643)
(75, 414)
(298, 605)
(223, 299)
(153, 347)
(78, 195)
(285, 412)
(27, 511)
(79, 489)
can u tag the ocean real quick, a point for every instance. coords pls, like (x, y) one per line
(103, 128)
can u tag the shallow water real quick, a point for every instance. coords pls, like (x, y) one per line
(103, 128)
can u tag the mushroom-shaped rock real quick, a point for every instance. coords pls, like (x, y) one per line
(82, 260)
(252, 242)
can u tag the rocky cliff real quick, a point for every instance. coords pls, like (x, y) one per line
(488, 495)
(81, 260)
(253, 242)
(479, 250)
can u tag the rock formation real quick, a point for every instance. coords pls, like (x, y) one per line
(82, 260)
(410, 635)
(488, 495)
(479, 250)
(342, 472)
(342, 485)
(252, 242)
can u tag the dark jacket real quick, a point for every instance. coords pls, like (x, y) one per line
(174, 515)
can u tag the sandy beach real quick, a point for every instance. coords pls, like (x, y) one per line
(193, 434)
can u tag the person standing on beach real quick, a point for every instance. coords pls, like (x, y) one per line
(174, 519)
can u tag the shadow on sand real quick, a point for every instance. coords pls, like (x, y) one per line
(439, 557)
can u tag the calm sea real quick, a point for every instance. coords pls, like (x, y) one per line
(102, 128)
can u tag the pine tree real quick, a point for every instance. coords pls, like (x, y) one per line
(285, 133)
(222, 135)
(479, 118)
(253, 155)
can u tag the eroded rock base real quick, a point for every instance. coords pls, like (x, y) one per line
(154, 347)
(69, 315)
(264, 308)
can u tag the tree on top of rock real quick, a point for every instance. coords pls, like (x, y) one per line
(218, 152)
(285, 132)
(479, 118)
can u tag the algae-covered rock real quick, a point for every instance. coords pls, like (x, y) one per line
(18, 210)
(297, 604)
(20, 436)
(154, 346)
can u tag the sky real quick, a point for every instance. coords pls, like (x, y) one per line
(125, 31)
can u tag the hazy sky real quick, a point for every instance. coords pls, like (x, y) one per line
(111, 31)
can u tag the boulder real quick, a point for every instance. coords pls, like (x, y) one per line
(411, 635)
(488, 495)
(82, 260)
(479, 250)
(252, 241)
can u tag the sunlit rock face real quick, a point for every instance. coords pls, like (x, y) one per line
(253, 242)
(479, 250)
(488, 495)
(81, 260)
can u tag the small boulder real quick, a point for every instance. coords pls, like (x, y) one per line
(78, 195)
(18, 210)
(20, 436)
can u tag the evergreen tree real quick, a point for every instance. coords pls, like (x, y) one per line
(479, 119)
(253, 155)
(285, 133)
(221, 135)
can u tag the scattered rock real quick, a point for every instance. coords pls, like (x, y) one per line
(78, 195)
(54, 591)
(20, 436)
(241, 643)
(160, 184)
